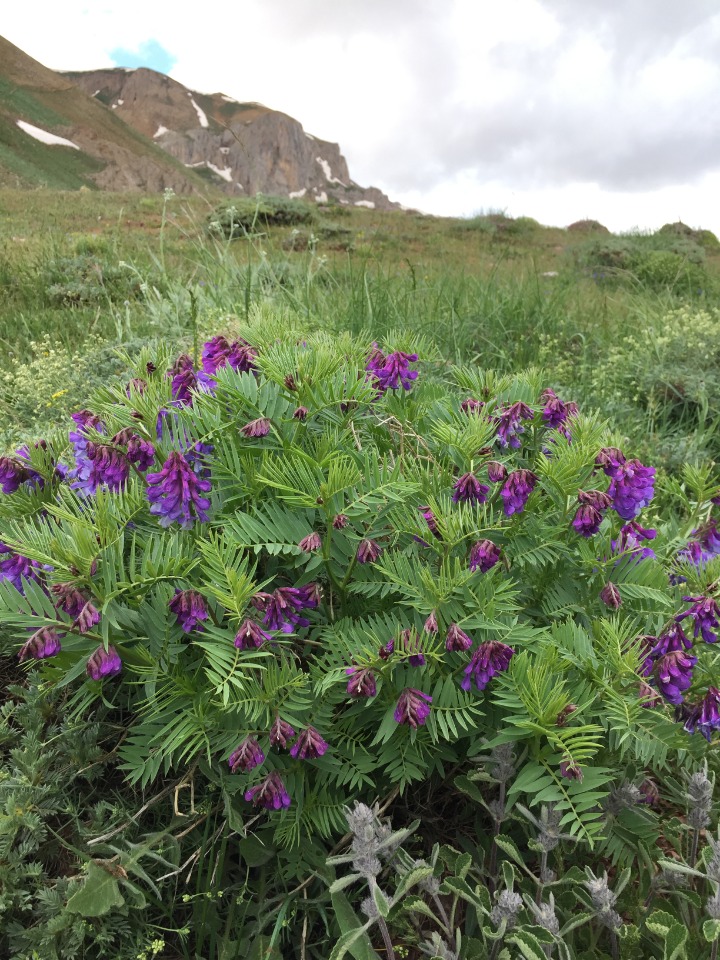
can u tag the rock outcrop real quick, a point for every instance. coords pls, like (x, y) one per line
(242, 148)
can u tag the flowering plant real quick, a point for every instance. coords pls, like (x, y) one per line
(315, 571)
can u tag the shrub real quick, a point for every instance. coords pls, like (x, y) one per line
(246, 216)
(86, 279)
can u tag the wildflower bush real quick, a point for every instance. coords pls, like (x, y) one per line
(306, 569)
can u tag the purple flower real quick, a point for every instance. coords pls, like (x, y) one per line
(471, 406)
(705, 716)
(390, 372)
(631, 538)
(68, 598)
(412, 708)
(497, 472)
(431, 624)
(250, 635)
(138, 451)
(431, 520)
(632, 488)
(309, 745)
(186, 381)
(671, 639)
(362, 682)
(300, 413)
(88, 617)
(246, 756)
(570, 770)
(16, 471)
(587, 520)
(218, 353)
(509, 423)
(610, 459)
(468, 489)
(100, 466)
(280, 733)
(190, 608)
(340, 521)
(104, 663)
(136, 385)
(256, 428)
(610, 596)
(15, 568)
(516, 490)
(368, 551)
(282, 607)
(310, 543)
(555, 412)
(594, 498)
(490, 658)
(483, 556)
(705, 612)
(175, 493)
(674, 674)
(457, 640)
(269, 793)
(44, 643)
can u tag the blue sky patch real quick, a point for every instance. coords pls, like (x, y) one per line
(149, 53)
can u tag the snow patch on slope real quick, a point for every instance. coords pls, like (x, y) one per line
(328, 172)
(161, 131)
(44, 137)
(225, 173)
(365, 203)
(297, 194)
(202, 117)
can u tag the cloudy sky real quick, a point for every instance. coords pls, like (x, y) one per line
(555, 109)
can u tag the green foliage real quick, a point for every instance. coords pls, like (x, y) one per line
(246, 216)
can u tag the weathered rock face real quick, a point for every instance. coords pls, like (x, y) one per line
(243, 148)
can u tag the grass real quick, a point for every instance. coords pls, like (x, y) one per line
(91, 271)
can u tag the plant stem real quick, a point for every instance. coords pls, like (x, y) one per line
(386, 938)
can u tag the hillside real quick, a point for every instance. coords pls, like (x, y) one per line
(241, 148)
(102, 151)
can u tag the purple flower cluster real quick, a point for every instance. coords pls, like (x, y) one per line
(468, 489)
(516, 491)
(510, 423)
(705, 716)
(246, 756)
(490, 658)
(412, 708)
(14, 567)
(632, 485)
(175, 493)
(610, 596)
(457, 641)
(589, 514)
(250, 635)
(15, 471)
(104, 663)
(392, 371)
(270, 793)
(556, 412)
(630, 541)
(706, 616)
(186, 381)
(368, 551)
(280, 733)
(483, 556)
(362, 682)
(282, 608)
(44, 643)
(219, 352)
(309, 745)
(190, 608)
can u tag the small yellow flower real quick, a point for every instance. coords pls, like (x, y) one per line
(58, 393)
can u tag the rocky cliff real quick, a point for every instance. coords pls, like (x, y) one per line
(242, 148)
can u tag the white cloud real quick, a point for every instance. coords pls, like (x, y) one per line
(557, 109)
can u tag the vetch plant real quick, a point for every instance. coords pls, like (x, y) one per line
(337, 605)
